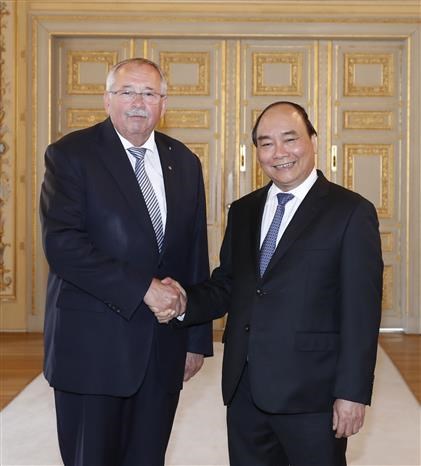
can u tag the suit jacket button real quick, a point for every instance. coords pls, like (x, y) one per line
(247, 327)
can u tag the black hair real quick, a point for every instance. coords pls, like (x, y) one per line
(309, 126)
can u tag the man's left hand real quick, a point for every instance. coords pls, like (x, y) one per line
(194, 362)
(348, 417)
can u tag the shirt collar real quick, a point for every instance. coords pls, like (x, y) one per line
(300, 191)
(149, 143)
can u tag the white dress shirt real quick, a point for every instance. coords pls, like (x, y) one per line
(300, 192)
(153, 170)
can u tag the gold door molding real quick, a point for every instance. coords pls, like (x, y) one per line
(383, 176)
(7, 171)
(381, 65)
(283, 64)
(76, 60)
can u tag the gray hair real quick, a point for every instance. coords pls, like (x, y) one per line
(111, 77)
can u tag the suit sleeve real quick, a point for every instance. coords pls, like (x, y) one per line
(211, 299)
(200, 337)
(361, 270)
(70, 252)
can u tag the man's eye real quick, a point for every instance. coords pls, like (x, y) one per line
(148, 94)
(127, 93)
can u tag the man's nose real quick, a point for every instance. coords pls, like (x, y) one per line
(280, 149)
(138, 97)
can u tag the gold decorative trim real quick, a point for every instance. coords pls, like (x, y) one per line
(240, 97)
(34, 158)
(259, 178)
(200, 59)
(277, 16)
(186, 118)
(385, 153)
(383, 89)
(254, 115)
(316, 80)
(84, 117)
(332, 130)
(201, 149)
(368, 120)
(7, 283)
(222, 141)
(295, 62)
(410, 280)
(387, 302)
(74, 61)
(388, 241)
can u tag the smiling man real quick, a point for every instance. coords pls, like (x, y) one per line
(286, 145)
(122, 206)
(301, 281)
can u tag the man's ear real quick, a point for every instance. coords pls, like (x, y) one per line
(314, 142)
(163, 106)
(106, 100)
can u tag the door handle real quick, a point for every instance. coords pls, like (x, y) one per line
(242, 158)
(334, 158)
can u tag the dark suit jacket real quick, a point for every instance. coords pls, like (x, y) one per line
(101, 248)
(309, 326)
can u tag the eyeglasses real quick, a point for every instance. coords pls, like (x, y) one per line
(148, 97)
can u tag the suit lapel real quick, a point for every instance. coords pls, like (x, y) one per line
(255, 212)
(304, 216)
(170, 172)
(114, 157)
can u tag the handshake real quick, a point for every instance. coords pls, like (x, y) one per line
(166, 299)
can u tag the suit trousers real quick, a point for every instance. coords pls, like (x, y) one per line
(99, 430)
(258, 438)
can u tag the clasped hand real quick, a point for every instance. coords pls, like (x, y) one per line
(166, 299)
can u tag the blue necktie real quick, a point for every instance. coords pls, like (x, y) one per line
(269, 243)
(148, 193)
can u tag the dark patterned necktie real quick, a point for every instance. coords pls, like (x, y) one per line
(148, 193)
(269, 243)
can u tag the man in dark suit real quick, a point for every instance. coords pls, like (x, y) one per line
(301, 280)
(121, 207)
